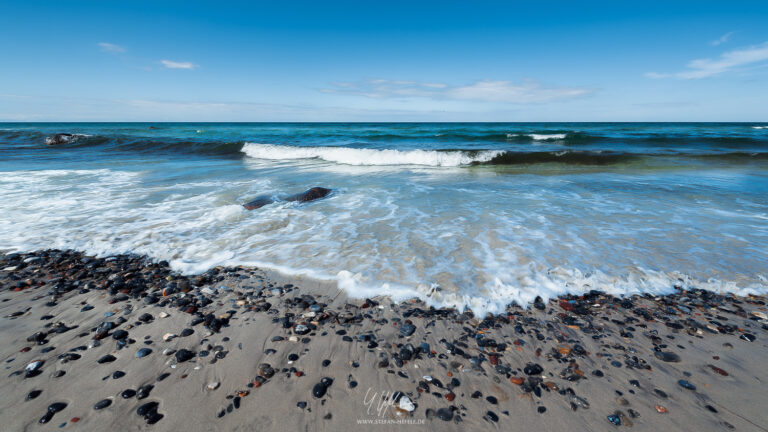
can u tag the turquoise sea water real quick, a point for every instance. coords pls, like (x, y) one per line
(471, 214)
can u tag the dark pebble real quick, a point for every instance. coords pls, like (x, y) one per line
(109, 358)
(686, 385)
(143, 352)
(445, 414)
(102, 404)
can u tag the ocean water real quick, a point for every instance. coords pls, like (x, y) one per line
(469, 215)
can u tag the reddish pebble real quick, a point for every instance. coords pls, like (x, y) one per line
(660, 409)
(517, 380)
(25, 349)
(74, 419)
(450, 396)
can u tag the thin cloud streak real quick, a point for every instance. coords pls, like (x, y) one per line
(722, 39)
(729, 61)
(178, 65)
(111, 48)
(527, 92)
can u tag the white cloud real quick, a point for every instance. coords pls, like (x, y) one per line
(178, 65)
(722, 39)
(111, 48)
(486, 91)
(756, 55)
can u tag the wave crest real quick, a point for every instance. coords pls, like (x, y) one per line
(370, 157)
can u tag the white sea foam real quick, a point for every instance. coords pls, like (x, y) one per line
(370, 157)
(423, 236)
(541, 137)
(759, 127)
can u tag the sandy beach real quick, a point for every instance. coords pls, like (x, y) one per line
(123, 344)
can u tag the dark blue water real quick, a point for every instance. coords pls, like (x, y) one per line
(464, 214)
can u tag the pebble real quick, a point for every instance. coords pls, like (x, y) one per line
(52, 409)
(407, 329)
(143, 352)
(321, 388)
(749, 337)
(102, 404)
(109, 358)
(213, 385)
(183, 355)
(491, 417)
(406, 404)
(667, 356)
(533, 369)
(445, 414)
(33, 369)
(685, 384)
(614, 419)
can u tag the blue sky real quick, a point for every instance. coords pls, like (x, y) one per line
(384, 61)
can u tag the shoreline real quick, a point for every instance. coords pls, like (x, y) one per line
(263, 346)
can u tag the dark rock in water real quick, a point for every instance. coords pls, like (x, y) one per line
(326, 363)
(407, 329)
(321, 388)
(119, 334)
(492, 400)
(309, 195)
(118, 374)
(102, 404)
(143, 352)
(306, 196)
(109, 358)
(128, 393)
(259, 202)
(61, 138)
(183, 355)
(491, 417)
(539, 303)
(301, 404)
(33, 394)
(186, 332)
(667, 356)
(686, 385)
(445, 414)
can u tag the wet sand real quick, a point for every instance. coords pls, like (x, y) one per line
(268, 352)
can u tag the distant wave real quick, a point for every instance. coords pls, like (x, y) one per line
(370, 157)
(541, 137)
(759, 127)
(456, 158)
